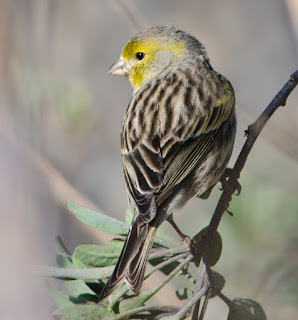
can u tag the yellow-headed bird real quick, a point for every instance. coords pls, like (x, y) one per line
(177, 136)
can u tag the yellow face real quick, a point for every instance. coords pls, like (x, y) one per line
(139, 59)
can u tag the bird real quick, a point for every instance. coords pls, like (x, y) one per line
(177, 136)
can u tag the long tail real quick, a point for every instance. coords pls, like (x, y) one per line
(131, 264)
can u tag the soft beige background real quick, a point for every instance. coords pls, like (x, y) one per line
(60, 116)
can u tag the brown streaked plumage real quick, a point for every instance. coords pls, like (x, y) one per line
(177, 136)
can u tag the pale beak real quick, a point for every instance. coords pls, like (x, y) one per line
(119, 68)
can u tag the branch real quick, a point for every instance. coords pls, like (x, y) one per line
(196, 297)
(252, 134)
(160, 310)
(88, 274)
(204, 281)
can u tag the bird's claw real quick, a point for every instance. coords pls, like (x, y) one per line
(238, 188)
(226, 185)
(187, 242)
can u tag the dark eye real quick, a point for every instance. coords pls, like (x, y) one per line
(140, 55)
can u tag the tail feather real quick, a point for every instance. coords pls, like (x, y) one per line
(136, 270)
(131, 264)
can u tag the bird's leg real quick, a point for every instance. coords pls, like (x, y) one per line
(186, 240)
(176, 228)
(226, 185)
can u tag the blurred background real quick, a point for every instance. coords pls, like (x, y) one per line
(60, 117)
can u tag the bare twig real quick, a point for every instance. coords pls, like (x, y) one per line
(173, 273)
(277, 136)
(166, 262)
(166, 252)
(225, 299)
(205, 304)
(199, 284)
(152, 270)
(252, 134)
(196, 297)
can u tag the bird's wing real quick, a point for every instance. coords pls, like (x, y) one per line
(194, 142)
(167, 131)
(143, 177)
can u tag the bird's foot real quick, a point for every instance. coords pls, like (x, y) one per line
(226, 184)
(186, 240)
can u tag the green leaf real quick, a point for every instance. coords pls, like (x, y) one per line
(78, 263)
(218, 281)
(77, 288)
(63, 258)
(116, 295)
(184, 293)
(117, 242)
(60, 298)
(84, 312)
(215, 251)
(97, 256)
(97, 220)
(134, 301)
(246, 309)
(128, 216)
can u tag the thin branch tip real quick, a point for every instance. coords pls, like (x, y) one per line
(230, 213)
(294, 76)
(251, 134)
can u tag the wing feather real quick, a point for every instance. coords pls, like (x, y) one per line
(156, 161)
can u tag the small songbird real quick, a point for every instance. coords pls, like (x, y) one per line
(177, 136)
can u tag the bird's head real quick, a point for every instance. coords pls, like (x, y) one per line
(149, 53)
